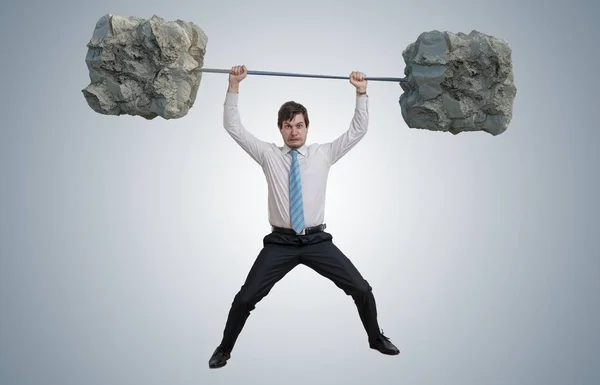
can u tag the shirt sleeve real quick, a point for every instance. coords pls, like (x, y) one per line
(234, 127)
(358, 128)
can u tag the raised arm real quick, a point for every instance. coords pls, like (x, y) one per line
(358, 125)
(232, 121)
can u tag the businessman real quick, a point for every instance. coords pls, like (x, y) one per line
(296, 175)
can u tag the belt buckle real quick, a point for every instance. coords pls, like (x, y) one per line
(303, 232)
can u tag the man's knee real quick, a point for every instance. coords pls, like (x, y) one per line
(245, 301)
(364, 287)
(360, 289)
(241, 301)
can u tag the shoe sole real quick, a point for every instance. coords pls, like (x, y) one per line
(217, 366)
(387, 352)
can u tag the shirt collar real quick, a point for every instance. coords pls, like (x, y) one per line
(301, 150)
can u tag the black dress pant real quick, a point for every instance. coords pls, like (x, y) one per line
(279, 255)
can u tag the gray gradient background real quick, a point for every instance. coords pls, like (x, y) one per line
(123, 241)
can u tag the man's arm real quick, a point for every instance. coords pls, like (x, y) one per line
(232, 121)
(358, 125)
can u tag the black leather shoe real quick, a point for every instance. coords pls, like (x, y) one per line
(219, 358)
(384, 345)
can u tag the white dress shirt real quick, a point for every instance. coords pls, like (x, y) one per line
(314, 160)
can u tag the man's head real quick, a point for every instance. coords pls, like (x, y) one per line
(293, 122)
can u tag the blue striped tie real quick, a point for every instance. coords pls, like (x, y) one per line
(296, 208)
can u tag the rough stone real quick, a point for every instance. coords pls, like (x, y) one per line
(144, 68)
(457, 83)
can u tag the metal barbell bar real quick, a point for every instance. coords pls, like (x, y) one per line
(298, 75)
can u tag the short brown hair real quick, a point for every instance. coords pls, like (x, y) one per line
(289, 110)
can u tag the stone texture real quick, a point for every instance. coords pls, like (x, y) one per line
(457, 83)
(142, 67)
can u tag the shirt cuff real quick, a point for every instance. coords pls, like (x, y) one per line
(362, 102)
(231, 98)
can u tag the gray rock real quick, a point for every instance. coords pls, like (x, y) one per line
(457, 83)
(142, 67)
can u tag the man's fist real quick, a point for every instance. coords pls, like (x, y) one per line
(237, 74)
(358, 80)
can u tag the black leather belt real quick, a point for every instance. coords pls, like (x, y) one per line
(306, 231)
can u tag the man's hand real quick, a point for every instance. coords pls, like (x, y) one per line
(357, 79)
(237, 74)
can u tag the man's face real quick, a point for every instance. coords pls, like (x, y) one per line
(294, 131)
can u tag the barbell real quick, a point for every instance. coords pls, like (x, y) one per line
(149, 68)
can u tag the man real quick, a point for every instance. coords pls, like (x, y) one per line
(296, 176)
